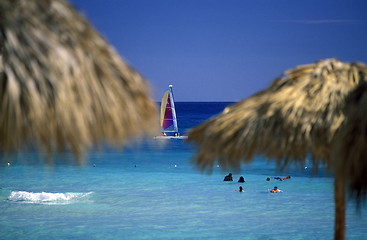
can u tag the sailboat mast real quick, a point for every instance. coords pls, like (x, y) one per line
(171, 90)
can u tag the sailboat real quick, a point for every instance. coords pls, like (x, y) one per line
(168, 120)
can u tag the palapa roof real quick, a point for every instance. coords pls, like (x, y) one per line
(350, 143)
(298, 114)
(62, 85)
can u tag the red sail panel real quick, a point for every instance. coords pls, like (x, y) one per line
(168, 118)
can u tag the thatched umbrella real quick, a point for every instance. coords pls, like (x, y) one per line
(297, 115)
(350, 143)
(61, 85)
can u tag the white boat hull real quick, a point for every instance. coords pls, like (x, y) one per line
(170, 137)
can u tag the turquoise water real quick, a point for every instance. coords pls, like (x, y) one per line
(152, 191)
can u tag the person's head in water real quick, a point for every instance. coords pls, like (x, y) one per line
(228, 177)
(275, 190)
(242, 179)
(268, 179)
(241, 189)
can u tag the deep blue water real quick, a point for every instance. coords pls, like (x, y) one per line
(152, 191)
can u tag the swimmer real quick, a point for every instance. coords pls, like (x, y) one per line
(241, 180)
(275, 190)
(281, 179)
(240, 189)
(228, 177)
(285, 178)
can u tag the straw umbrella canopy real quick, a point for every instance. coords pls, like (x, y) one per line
(349, 150)
(298, 114)
(62, 86)
(350, 144)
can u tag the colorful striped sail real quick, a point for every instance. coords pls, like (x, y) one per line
(168, 112)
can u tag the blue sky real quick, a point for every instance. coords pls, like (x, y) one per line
(226, 50)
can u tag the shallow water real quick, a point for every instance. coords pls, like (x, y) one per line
(154, 192)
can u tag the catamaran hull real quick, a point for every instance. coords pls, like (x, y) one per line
(170, 137)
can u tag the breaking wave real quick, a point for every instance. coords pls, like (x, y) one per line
(47, 198)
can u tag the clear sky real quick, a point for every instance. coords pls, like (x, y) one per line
(226, 50)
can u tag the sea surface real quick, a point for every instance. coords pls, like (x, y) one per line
(153, 191)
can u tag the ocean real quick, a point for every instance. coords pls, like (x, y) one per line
(153, 191)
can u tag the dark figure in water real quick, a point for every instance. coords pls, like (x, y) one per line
(287, 177)
(241, 179)
(275, 190)
(228, 177)
(268, 179)
(281, 179)
(241, 189)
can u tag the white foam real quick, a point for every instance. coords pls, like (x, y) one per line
(46, 197)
